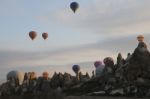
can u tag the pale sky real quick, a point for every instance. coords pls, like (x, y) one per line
(98, 29)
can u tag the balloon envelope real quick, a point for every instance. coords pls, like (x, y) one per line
(97, 63)
(45, 75)
(32, 35)
(45, 35)
(140, 38)
(108, 60)
(74, 6)
(76, 68)
(16, 75)
(99, 70)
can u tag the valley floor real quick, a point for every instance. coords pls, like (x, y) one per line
(77, 97)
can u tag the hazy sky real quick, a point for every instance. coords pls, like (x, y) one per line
(99, 28)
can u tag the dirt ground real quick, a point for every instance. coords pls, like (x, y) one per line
(76, 97)
(102, 97)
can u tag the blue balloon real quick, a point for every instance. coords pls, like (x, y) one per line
(74, 6)
(76, 68)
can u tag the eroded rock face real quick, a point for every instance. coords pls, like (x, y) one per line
(130, 75)
(139, 63)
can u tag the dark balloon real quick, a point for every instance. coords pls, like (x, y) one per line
(97, 63)
(45, 36)
(32, 34)
(74, 6)
(108, 61)
(76, 68)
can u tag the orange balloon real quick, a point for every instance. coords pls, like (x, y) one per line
(45, 75)
(32, 35)
(45, 36)
(140, 38)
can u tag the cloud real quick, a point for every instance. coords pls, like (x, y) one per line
(108, 18)
(82, 53)
(62, 60)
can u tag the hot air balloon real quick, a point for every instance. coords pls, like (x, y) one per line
(45, 75)
(32, 35)
(14, 76)
(76, 68)
(33, 76)
(140, 38)
(97, 64)
(74, 6)
(108, 61)
(99, 70)
(45, 36)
